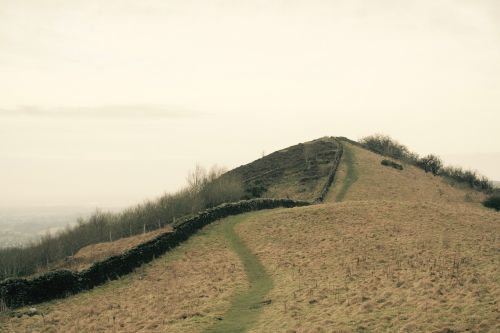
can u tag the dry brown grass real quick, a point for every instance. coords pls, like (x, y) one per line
(378, 182)
(292, 184)
(405, 252)
(182, 291)
(92, 253)
(291, 187)
(379, 266)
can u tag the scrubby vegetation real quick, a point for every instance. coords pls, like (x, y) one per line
(392, 164)
(385, 145)
(493, 202)
(430, 163)
(205, 189)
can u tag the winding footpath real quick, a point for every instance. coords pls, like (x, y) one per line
(247, 304)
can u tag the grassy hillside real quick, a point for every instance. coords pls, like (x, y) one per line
(95, 252)
(379, 266)
(370, 180)
(352, 266)
(297, 172)
(390, 251)
(186, 290)
(205, 189)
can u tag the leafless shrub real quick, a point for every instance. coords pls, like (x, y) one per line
(385, 145)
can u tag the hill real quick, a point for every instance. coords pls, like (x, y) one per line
(368, 179)
(390, 250)
(297, 172)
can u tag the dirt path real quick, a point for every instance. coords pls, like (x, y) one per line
(351, 174)
(346, 175)
(247, 304)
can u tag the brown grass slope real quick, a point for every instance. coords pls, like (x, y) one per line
(375, 181)
(90, 254)
(404, 252)
(379, 266)
(186, 290)
(379, 182)
(297, 172)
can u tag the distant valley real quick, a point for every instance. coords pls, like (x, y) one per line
(20, 225)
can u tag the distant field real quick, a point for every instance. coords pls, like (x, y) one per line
(19, 225)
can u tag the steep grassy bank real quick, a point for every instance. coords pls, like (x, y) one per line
(298, 172)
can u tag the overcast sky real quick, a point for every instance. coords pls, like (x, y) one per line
(112, 102)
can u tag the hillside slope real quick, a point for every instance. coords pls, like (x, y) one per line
(89, 254)
(390, 251)
(185, 290)
(297, 172)
(374, 181)
(379, 266)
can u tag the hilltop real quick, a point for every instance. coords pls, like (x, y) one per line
(389, 250)
(297, 172)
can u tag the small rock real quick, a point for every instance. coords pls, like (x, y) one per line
(32, 312)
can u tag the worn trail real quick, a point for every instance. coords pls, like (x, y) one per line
(351, 175)
(247, 304)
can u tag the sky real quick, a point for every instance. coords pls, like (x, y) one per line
(108, 103)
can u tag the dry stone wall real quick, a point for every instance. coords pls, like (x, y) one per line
(20, 292)
(17, 292)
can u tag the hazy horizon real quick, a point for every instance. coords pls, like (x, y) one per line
(111, 103)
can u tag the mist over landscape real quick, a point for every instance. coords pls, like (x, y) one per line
(285, 166)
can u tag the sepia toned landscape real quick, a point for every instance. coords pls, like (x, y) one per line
(417, 253)
(232, 166)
